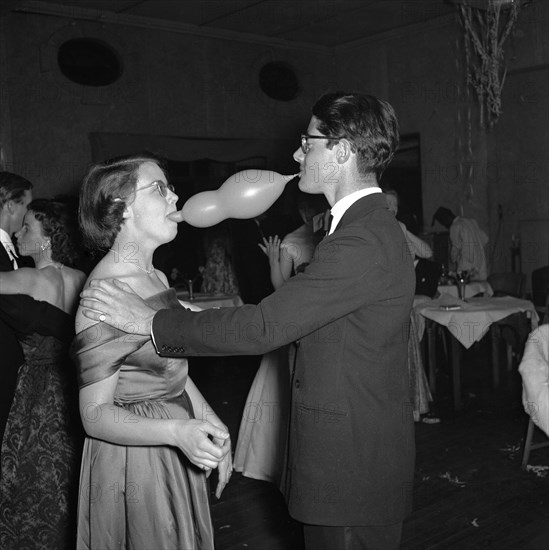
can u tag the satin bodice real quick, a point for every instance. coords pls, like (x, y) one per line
(101, 351)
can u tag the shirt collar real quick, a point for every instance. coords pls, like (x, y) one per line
(7, 243)
(342, 205)
(6, 239)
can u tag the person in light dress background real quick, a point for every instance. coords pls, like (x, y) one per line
(260, 452)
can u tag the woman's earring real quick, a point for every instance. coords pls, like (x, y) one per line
(45, 245)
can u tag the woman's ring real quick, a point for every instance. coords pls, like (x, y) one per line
(102, 317)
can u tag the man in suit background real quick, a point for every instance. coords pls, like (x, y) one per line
(351, 448)
(15, 195)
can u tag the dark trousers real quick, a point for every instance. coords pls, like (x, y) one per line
(357, 537)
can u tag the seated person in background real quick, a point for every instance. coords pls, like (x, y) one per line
(40, 455)
(534, 369)
(467, 242)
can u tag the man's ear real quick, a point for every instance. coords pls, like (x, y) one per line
(343, 151)
(10, 206)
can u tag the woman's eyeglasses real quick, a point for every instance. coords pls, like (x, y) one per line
(305, 144)
(161, 186)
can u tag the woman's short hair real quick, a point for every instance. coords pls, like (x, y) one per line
(59, 225)
(107, 189)
(368, 123)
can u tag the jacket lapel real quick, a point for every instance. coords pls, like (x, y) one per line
(362, 207)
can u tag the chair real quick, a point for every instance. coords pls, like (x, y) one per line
(534, 370)
(508, 284)
(540, 292)
(513, 330)
(529, 445)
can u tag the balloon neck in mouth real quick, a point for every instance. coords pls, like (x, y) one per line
(176, 216)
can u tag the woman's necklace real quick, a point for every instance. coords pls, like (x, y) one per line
(135, 263)
(147, 271)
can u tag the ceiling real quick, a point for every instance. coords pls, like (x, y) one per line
(320, 23)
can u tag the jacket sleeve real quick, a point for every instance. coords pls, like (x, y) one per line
(347, 272)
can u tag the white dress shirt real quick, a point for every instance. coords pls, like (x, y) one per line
(342, 205)
(8, 246)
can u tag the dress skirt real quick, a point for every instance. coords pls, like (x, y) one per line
(420, 393)
(40, 452)
(139, 498)
(262, 439)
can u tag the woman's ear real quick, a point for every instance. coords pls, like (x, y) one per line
(128, 212)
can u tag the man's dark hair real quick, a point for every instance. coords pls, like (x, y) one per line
(444, 216)
(368, 123)
(12, 187)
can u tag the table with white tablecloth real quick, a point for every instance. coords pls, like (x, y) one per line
(468, 322)
(209, 301)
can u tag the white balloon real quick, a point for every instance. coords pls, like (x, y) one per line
(243, 195)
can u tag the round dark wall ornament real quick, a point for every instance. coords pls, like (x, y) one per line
(279, 81)
(89, 62)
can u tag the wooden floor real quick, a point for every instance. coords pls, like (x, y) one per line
(470, 491)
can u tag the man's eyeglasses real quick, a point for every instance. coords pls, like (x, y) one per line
(161, 186)
(305, 137)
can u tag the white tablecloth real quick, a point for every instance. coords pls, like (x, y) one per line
(207, 301)
(471, 322)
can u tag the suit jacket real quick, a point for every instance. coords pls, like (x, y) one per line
(7, 265)
(12, 355)
(351, 454)
(5, 262)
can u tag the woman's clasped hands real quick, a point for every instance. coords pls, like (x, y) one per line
(207, 446)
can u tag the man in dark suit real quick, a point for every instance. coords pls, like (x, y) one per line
(15, 195)
(351, 453)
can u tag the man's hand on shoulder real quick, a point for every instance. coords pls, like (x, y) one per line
(114, 302)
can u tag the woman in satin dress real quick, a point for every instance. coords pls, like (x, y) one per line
(152, 437)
